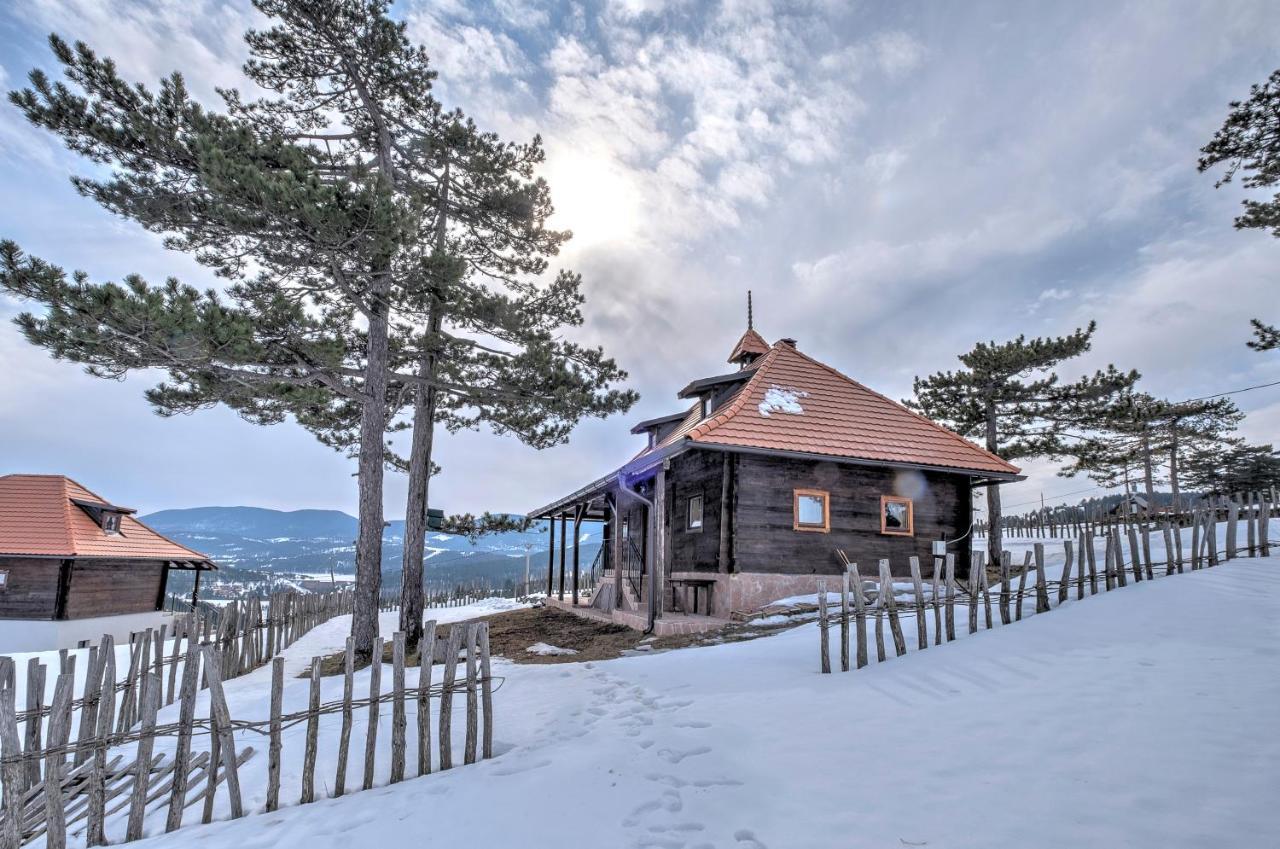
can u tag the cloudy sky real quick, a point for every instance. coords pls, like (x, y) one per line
(893, 181)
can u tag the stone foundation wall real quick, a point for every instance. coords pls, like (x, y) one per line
(746, 592)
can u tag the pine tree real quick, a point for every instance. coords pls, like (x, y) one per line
(1238, 468)
(317, 204)
(1139, 433)
(1200, 428)
(1249, 142)
(1009, 399)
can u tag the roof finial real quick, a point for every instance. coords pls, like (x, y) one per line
(750, 321)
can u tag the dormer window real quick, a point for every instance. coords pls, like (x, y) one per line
(110, 522)
(106, 516)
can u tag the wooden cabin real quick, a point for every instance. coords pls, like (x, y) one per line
(743, 496)
(74, 566)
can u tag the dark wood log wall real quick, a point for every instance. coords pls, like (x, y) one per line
(695, 473)
(31, 589)
(107, 588)
(765, 540)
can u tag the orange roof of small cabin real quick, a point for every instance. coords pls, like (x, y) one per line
(42, 516)
(792, 403)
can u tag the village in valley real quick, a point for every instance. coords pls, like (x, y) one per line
(655, 425)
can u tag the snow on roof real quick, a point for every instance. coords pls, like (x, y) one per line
(780, 400)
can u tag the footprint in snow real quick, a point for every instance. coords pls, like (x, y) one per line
(748, 839)
(675, 757)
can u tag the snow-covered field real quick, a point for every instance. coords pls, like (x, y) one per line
(1142, 717)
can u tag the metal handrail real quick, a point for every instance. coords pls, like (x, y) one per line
(633, 567)
(595, 566)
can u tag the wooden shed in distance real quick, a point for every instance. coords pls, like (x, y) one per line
(74, 566)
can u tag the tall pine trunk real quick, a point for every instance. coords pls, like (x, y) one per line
(423, 442)
(373, 427)
(373, 423)
(995, 534)
(415, 522)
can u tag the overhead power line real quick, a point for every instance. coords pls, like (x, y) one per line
(1232, 392)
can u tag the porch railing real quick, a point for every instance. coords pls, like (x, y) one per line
(633, 567)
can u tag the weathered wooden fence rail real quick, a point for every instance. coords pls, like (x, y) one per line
(88, 785)
(244, 635)
(1080, 570)
(1066, 520)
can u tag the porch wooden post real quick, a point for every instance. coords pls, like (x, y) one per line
(195, 591)
(563, 550)
(615, 542)
(659, 519)
(578, 513)
(551, 556)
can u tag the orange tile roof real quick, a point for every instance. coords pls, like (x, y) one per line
(818, 410)
(38, 518)
(750, 343)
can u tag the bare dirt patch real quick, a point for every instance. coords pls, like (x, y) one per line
(511, 633)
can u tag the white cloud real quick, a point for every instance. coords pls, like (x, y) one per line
(893, 185)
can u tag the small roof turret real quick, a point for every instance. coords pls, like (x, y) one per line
(751, 345)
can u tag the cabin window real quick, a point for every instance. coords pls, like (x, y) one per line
(4, 580)
(896, 516)
(812, 510)
(110, 522)
(626, 529)
(694, 514)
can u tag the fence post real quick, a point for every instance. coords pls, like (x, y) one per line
(935, 600)
(397, 707)
(951, 597)
(375, 693)
(446, 697)
(186, 721)
(1042, 586)
(344, 737)
(11, 773)
(35, 718)
(824, 651)
(313, 730)
(426, 658)
(1064, 583)
(922, 630)
(226, 740)
(150, 699)
(96, 836)
(844, 621)
(469, 753)
(55, 813)
(860, 615)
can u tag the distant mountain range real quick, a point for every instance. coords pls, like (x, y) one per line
(254, 543)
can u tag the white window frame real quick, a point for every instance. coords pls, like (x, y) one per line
(689, 524)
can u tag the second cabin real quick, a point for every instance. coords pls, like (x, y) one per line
(743, 495)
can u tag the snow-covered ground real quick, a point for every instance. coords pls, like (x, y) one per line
(1142, 717)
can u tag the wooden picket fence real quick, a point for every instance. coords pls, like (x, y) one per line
(1071, 521)
(85, 782)
(1080, 570)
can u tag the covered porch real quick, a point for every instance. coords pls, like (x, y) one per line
(633, 585)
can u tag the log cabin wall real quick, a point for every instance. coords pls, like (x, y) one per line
(31, 588)
(765, 539)
(692, 474)
(110, 587)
